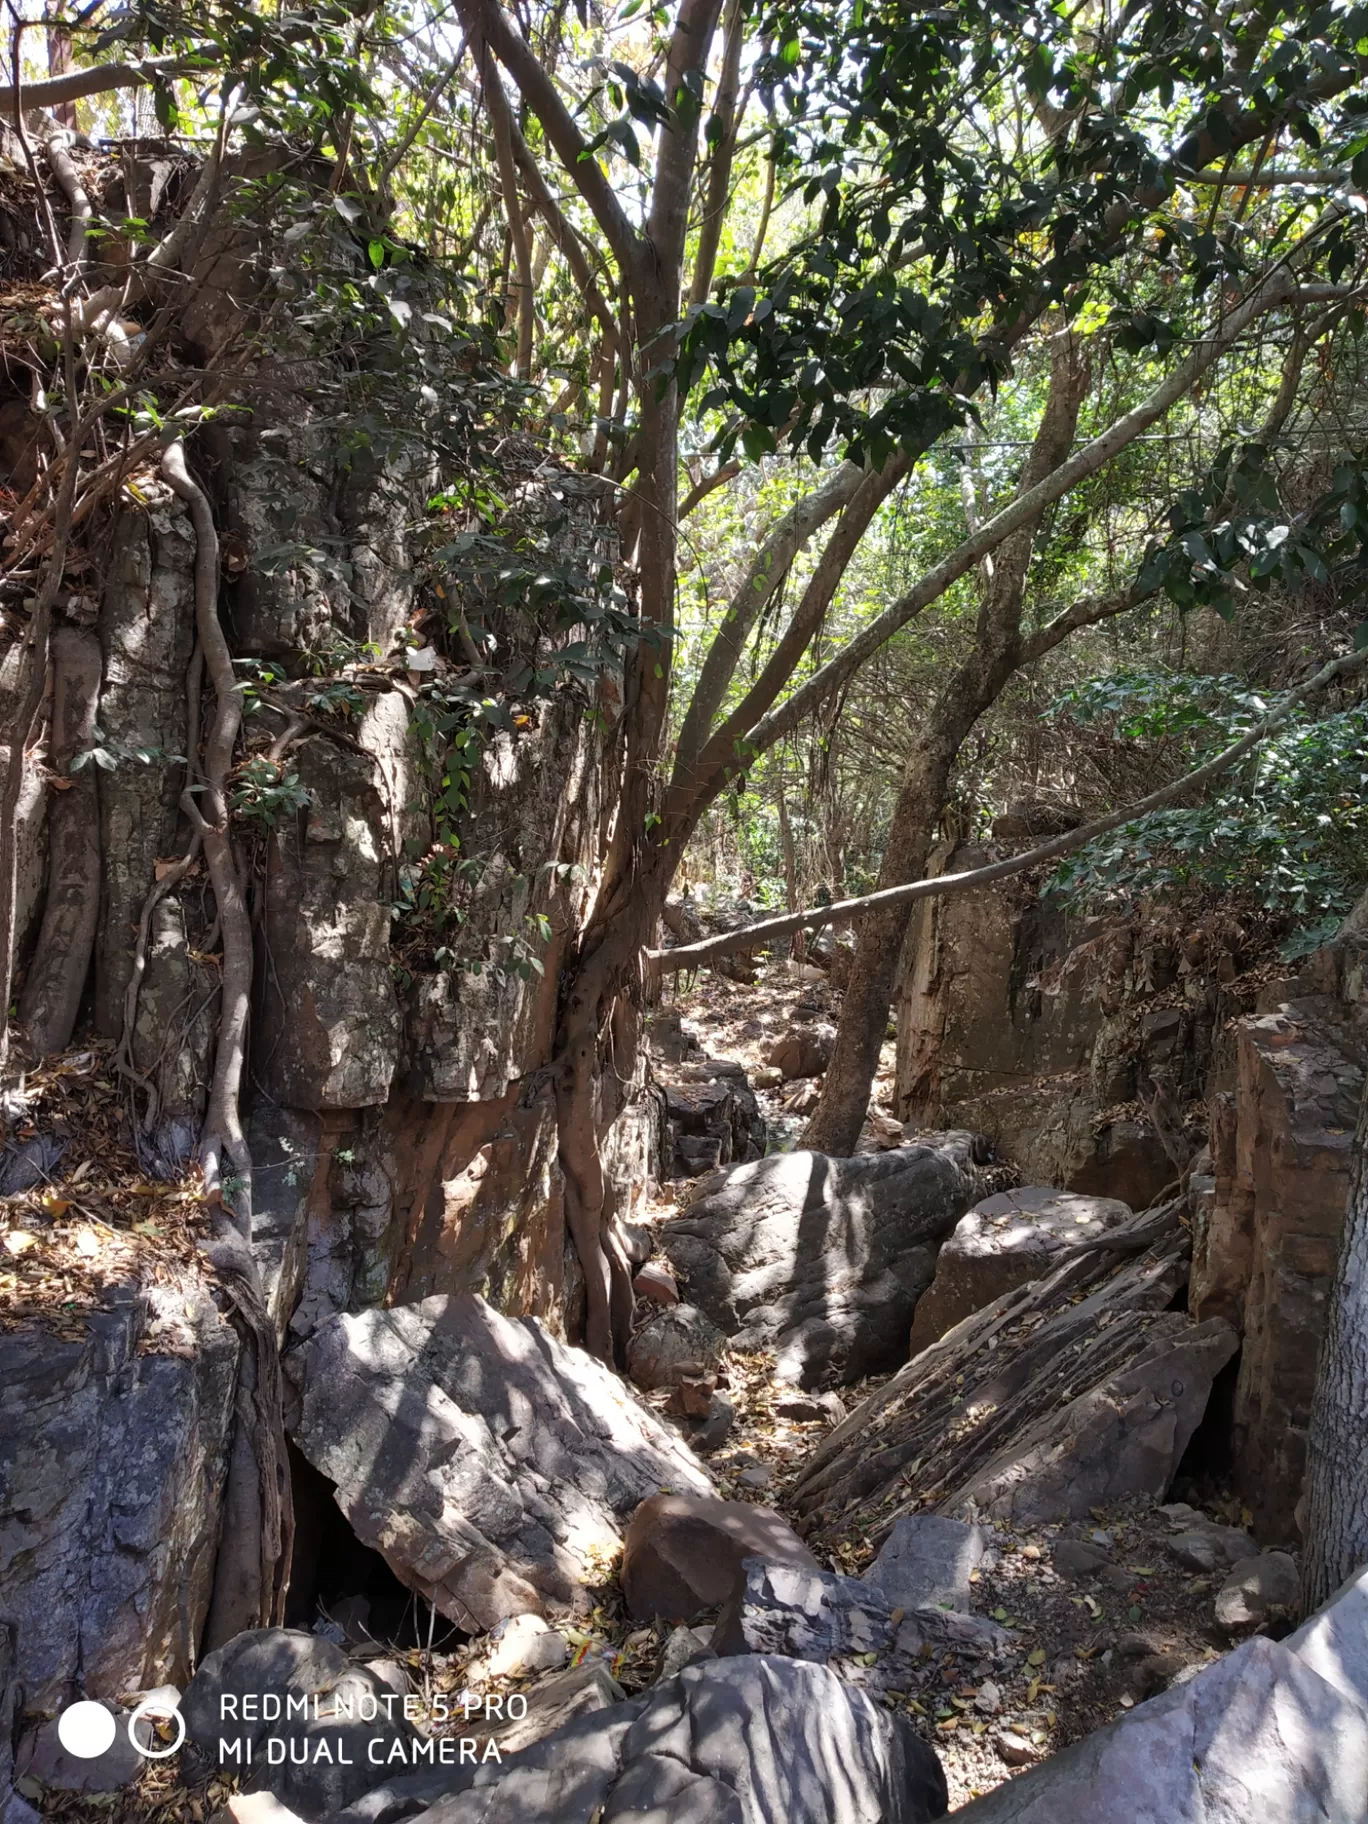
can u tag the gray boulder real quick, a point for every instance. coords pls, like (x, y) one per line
(1257, 1735)
(928, 1559)
(289, 1712)
(824, 1259)
(673, 1342)
(732, 1741)
(552, 1705)
(1211, 1548)
(1258, 1588)
(111, 1483)
(1124, 1436)
(1005, 1240)
(486, 1461)
(1334, 1642)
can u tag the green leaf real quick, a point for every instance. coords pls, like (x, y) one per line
(376, 251)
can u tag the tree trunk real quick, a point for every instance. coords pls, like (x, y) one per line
(836, 1124)
(1336, 1526)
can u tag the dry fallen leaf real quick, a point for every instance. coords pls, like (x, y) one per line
(17, 1240)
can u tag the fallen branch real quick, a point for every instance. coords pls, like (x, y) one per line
(845, 911)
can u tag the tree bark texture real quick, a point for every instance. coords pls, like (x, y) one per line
(836, 1123)
(52, 992)
(1336, 1526)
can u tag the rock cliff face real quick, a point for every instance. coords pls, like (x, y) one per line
(1265, 1254)
(396, 1100)
(1073, 1043)
(111, 1480)
(1047, 1032)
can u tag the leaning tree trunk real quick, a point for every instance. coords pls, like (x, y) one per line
(836, 1124)
(1336, 1525)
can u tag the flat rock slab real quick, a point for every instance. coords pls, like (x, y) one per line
(1257, 1735)
(846, 1623)
(928, 1559)
(1334, 1642)
(1004, 1241)
(685, 1553)
(733, 1741)
(821, 1259)
(1123, 1437)
(490, 1464)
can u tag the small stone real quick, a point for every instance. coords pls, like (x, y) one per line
(1178, 1513)
(682, 1648)
(676, 1341)
(1015, 1749)
(756, 1476)
(692, 1398)
(807, 1407)
(1158, 1671)
(1099, 1537)
(928, 1559)
(1211, 1548)
(988, 1698)
(1134, 1646)
(710, 1433)
(1257, 1588)
(657, 1284)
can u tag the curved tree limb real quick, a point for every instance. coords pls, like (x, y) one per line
(843, 911)
(222, 1133)
(100, 80)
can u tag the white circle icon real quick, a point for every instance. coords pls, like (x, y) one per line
(156, 1709)
(86, 1730)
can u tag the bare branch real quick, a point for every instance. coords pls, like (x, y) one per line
(486, 19)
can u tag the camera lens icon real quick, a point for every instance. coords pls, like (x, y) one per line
(156, 1710)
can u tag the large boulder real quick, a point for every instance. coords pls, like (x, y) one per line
(1334, 1641)
(1125, 1436)
(491, 1465)
(684, 1553)
(732, 1741)
(1005, 1240)
(1260, 1734)
(824, 1259)
(111, 1487)
(288, 1713)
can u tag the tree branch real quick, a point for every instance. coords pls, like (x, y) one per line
(1277, 289)
(486, 19)
(843, 911)
(766, 574)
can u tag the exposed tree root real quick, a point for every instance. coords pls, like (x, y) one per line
(52, 993)
(253, 1565)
